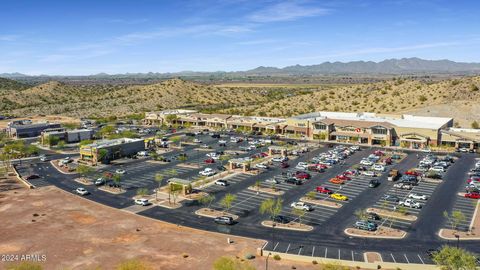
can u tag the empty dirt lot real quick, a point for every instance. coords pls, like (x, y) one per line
(74, 233)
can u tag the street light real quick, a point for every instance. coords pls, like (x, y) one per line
(458, 239)
(266, 261)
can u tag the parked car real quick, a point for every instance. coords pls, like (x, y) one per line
(472, 195)
(120, 171)
(261, 166)
(196, 140)
(373, 183)
(82, 191)
(323, 190)
(410, 203)
(372, 216)
(369, 173)
(390, 198)
(343, 177)
(100, 181)
(272, 181)
(143, 202)
(393, 175)
(293, 180)
(207, 172)
(279, 159)
(32, 176)
(302, 175)
(225, 220)
(337, 181)
(365, 225)
(417, 196)
(281, 219)
(338, 197)
(209, 160)
(221, 182)
(284, 165)
(301, 206)
(403, 186)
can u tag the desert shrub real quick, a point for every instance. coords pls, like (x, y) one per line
(276, 257)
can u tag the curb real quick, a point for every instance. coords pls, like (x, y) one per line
(23, 181)
(372, 236)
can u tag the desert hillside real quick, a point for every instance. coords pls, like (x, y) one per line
(455, 97)
(104, 99)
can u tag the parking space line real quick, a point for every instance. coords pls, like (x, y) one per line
(287, 248)
(393, 258)
(326, 252)
(405, 255)
(274, 248)
(353, 258)
(300, 251)
(339, 254)
(313, 250)
(420, 258)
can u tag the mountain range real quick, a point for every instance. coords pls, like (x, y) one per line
(389, 67)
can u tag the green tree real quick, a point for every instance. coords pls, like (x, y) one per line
(61, 144)
(257, 185)
(171, 118)
(361, 214)
(25, 266)
(133, 265)
(272, 207)
(454, 218)
(158, 179)
(207, 200)
(299, 213)
(227, 201)
(175, 189)
(84, 170)
(402, 210)
(142, 192)
(312, 195)
(475, 125)
(85, 142)
(106, 130)
(334, 266)
(452, 258)
(176, 140)
(182, 158)
(102, 155)
(117, 178)
(226, 263)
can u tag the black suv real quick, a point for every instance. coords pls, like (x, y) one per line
(281, 219)
(293, 180)
(217, 136)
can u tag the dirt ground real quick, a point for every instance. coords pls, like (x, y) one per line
(474, 233)
(74, 233)
(49, 118)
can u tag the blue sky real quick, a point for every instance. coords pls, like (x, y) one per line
(89, 37)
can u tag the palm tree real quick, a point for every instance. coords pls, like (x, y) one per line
(117, 178)
(158, 179)
(299, 213)
(207, 200)
(271, 207)
(227, 201)
(142, 192)
(172, 173)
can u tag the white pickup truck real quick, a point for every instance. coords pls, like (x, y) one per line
(410, 203)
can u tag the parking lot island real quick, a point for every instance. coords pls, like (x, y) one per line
(392, 214)
(381, 232)
(212, 213)
(472, 234)
(292, 225)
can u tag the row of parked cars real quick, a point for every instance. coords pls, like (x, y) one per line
(472, 189)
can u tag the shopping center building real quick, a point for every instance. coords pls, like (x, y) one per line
(403, 130)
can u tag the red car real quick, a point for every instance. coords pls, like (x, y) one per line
(350, 172)
(472, 195)
(263, 154)
(315, 169)
(343, 177)
(378, 153)
(209, 160)
(388, 161)
(413, 173)
(472, 179)
(284, 165)
(302, 175)
(324, 190)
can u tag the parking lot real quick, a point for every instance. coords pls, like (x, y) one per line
(328, 222)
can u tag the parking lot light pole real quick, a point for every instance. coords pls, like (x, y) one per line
(266, 261)
(458, 239)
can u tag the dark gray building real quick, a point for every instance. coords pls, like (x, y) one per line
(27, 130)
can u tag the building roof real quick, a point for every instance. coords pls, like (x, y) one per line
(36, 125)
(108, 143)
(405, 120)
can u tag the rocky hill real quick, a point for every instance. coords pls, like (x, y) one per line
(103, 99)
(458, 98)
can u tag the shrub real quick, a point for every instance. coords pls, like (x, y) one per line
(249, 256)
(422, 98)
(276, 257)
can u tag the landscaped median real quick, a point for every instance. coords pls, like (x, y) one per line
(321, 202)
(472, 234)
(212, 213)
(381, 232)
(392, 214)
(267, 190)
(84, 181)
(292, 225)
(112, 190)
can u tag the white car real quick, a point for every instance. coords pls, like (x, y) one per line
(279, 159)
(212, 154)
(369, 173)
(261, 166)
(222, 142)
(437, 169)
(302, 206)
(221, 182)
(301, 166)
(410, 203)
(143, 202)
(43, 158)
(197, 140)
(120, 171)
(82, 191)
(272, 181)
(418, 196)
(366, 162)
(207, 172)
(378, 167)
